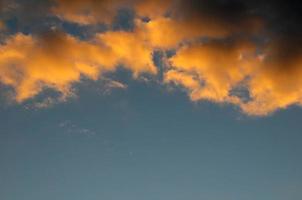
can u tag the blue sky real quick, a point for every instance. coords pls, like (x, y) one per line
(148, 146)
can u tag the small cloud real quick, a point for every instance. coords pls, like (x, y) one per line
(46, 103)
(116, 85)
(69, 127)
(50, 101)
(109, 85)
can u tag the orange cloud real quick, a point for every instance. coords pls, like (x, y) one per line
(213, 71)
(165, 32)
(131, 50)
(232, 57)
(56, 60)
(210, 71)
(277, 83)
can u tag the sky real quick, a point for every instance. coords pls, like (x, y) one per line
(150, 99)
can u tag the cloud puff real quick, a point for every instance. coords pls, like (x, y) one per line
(56, 60)
(276, 82)
(131, 50)
(167, 33)
(28, 64)
(214, 71)
(211, 70)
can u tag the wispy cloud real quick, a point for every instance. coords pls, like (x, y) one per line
(109, 85)
(69, 127)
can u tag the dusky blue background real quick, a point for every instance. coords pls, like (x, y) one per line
(146, 143)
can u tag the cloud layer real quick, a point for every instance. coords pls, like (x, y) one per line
(246, 53)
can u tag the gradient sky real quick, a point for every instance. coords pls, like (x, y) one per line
(150, 99)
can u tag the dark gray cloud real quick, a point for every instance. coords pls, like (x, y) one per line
(277, 23)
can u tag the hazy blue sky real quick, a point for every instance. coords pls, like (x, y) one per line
(142, 143)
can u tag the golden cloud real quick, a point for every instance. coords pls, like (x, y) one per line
(131, 50)
(277, 83)
(56, 60)
(168, 33)
(213, 71)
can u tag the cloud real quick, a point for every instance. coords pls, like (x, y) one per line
(116, 84)
(28, 64)
(247, 53)
(131, 50)
(167, 33)
(276, 83)
(211, 70)
(270, 72)
(108, 85)
(56, 60)
(68, 127)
